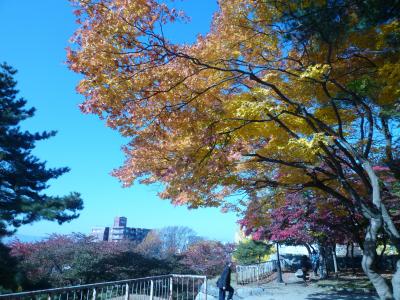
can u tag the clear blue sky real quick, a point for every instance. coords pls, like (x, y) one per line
(34, 34)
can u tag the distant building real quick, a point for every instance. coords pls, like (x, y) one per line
(101, 233)
(120, 221)
(127, 233)
(119, 232)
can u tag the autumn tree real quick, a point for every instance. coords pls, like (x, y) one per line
(303, 219)
(74, 259)
(43, 264)
(151, 246)
(207, 257)
(23, 177)
(295, 95)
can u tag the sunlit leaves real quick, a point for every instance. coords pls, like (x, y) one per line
(268, 97)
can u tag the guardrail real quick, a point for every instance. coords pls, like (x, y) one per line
(256, 272)
(166, 287)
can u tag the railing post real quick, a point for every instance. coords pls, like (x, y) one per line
(151, 289)
(237, 276)
(205, 287)
(94, 294)
(258, 273)
(171, 285)
(126, 292)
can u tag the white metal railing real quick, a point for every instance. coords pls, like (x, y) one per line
(166, 287)
(256, 272)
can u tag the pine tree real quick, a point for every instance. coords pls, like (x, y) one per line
(251, 252)
(23, 177)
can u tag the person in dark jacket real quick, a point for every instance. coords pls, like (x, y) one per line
(224, 283)
(305, 266)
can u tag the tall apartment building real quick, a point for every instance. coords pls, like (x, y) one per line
(119, 232)
(120, 221)
(101, 233)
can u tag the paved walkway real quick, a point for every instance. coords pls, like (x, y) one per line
(294, 289)
(311, 292)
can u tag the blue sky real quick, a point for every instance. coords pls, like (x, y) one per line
(34, 35)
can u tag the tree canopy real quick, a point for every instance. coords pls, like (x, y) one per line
(292, 96)
(74, 259)
(207, 257)
(23, 177)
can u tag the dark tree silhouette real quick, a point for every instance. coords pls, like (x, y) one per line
(23, 177)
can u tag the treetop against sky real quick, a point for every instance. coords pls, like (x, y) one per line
(278, 97)
(35, 35)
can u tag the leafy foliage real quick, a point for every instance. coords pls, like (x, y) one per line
(290, 96)
(7, 269)
(234, 105)
(207, 257)
(250, 252)
(77, 259)
(152, 245)
(23, 178)
(302, 218)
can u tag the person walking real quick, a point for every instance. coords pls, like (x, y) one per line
(305, 266)
(224, 283)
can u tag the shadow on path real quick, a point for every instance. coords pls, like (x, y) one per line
(341, 295)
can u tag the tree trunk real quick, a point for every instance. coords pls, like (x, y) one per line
(335, 261)
(369, 253)
(323, 263)
(279, 277)
(353, 260)
(368, 260)
(308, 248)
